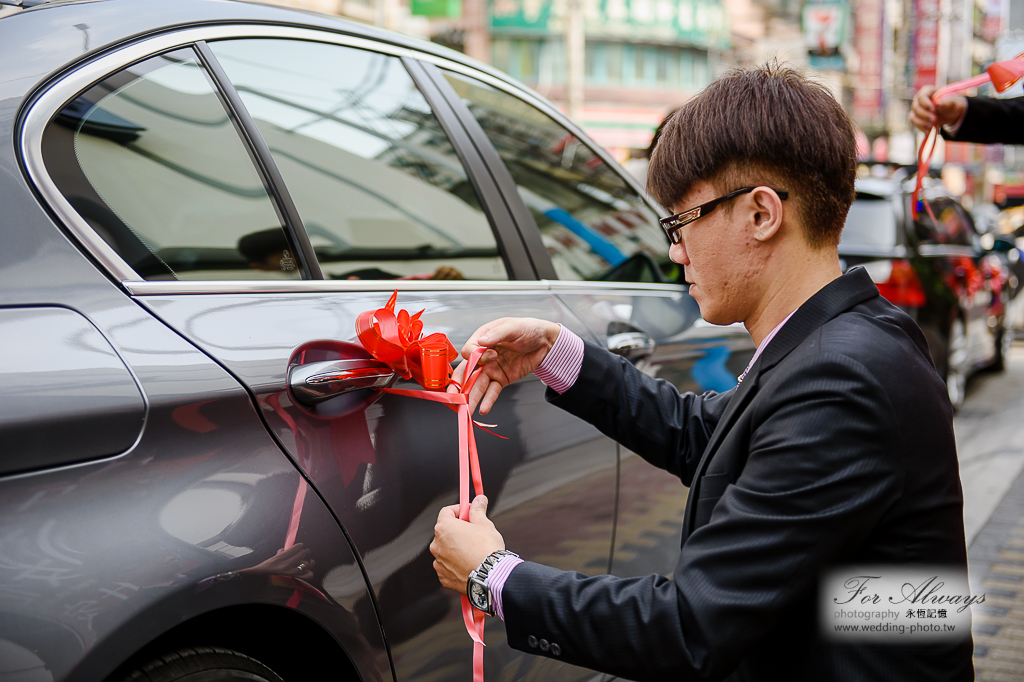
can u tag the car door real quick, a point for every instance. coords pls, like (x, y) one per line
(592, 232)
(374, 189)
(950, 247)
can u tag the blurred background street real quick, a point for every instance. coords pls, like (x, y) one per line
(990, 443)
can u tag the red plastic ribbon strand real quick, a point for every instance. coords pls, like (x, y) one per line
(395, 340)
(1002, 75)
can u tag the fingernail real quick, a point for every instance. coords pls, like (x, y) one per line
(480, 499)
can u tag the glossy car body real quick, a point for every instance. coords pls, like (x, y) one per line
(155, 462)
(957, 291)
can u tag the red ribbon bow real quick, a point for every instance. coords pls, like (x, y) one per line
(395, 340)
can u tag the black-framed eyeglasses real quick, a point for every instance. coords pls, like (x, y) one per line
(673, 223)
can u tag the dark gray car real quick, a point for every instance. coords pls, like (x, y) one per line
(198, 198)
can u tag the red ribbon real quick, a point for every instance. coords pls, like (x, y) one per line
(395, 340)
(1002, 75)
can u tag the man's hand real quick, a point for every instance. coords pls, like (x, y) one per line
(925, 114)
(293, 562)
(460, 546)
(516, 347)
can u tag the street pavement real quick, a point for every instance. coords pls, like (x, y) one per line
(990, 443)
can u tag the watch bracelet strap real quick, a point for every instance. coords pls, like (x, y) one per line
(483, 571)
(491, 559)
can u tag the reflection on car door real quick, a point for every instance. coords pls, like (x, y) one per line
(610, 257)
(950, 245)
(388, 205)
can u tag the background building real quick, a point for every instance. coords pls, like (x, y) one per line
(640, 59)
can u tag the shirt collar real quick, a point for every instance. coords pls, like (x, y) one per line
(764, 344)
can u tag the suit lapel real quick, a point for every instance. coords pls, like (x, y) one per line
(840, 295)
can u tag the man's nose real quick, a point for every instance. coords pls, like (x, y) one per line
(677, 253)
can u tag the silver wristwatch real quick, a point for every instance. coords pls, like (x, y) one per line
(477, 589)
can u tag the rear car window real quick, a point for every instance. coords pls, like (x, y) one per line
(870, 226)
(380, 188)
(952, 225)
(151, 160)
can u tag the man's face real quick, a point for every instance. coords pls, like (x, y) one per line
(719, 256)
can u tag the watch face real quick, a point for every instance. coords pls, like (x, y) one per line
(478, 595)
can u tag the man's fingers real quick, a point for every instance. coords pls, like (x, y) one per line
(490, 397)
(458, 376)
(291, 551)
(507, 330)
(922, 109)
(478, 510)
(479, 388)
(924, 97)
(474, 340)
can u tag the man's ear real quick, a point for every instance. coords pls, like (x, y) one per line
(767, 213)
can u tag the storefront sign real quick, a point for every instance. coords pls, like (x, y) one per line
(926, 43)
(868, 102)
(697, 22)
(451, 9)
(824, 25)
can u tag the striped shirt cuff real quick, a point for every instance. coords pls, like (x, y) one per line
(497, 577)
(562, 364)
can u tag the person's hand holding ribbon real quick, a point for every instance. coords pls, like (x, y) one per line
(515, 348)
(460, 546)
(926, 114)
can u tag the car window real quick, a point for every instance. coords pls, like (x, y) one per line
(870, 225)
(951, 225)
(592, 223)
(380, 188)
(151, 160)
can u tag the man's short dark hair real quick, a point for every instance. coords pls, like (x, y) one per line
(763, 126)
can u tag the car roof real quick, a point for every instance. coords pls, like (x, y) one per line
(877, 186)
(49, 37)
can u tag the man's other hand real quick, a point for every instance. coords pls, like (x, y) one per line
(459, 546)
(516, 346)
(925, 114)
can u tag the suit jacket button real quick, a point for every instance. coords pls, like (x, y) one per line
(544, 645)
(556, 650)
(532, 641)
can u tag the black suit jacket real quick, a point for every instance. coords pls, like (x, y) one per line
(836, 449)
(991, 121)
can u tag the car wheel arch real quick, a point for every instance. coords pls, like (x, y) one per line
(292, 644)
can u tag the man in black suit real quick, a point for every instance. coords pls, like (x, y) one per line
(836, 448)
(983, 120)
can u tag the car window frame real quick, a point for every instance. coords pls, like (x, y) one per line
(48, 99)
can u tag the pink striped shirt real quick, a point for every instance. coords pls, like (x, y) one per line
(561, 365)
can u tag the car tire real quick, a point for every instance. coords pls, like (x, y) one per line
(203, 664)
(956, 375)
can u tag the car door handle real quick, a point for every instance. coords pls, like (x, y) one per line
(320, 381)
(632, 345)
